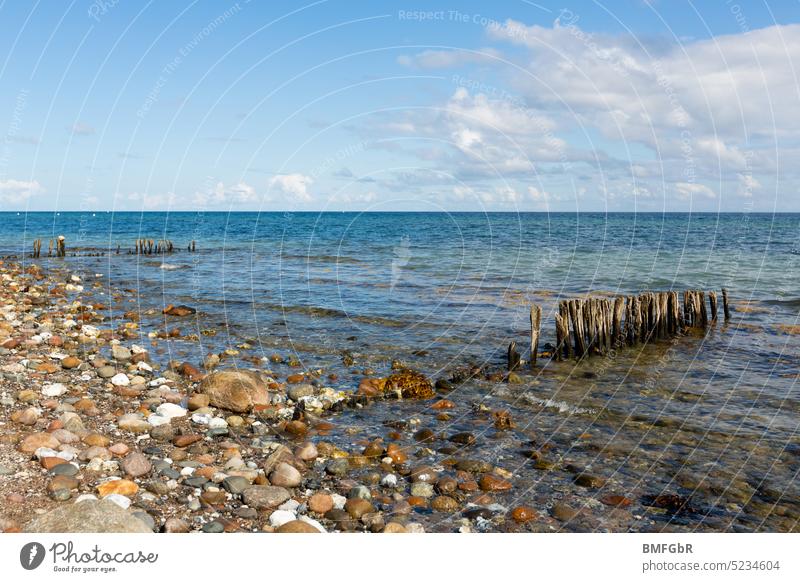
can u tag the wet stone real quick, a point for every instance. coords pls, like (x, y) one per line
(337, 467)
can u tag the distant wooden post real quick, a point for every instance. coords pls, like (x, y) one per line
(725, 304)
(536, 323)
(61, 247)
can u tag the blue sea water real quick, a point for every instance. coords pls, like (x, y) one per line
(716, 415)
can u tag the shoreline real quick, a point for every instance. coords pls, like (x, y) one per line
(191, 450)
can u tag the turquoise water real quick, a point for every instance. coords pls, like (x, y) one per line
(714, 416)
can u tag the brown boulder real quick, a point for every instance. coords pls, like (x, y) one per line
(234, 390)
(297, 526)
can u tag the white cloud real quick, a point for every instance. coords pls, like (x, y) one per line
(18, 191)
(222, 195)
(292, 187)
(688, 190)
(145, 201)
(446, 59)
(80, 128)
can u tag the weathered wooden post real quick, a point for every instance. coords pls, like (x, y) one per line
(536, 323)
(61, 249)
(725, 304)
(712, 300)
(513, 357)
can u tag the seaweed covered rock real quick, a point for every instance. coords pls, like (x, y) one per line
(409, 384)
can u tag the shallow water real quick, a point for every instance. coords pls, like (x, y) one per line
(712, 415)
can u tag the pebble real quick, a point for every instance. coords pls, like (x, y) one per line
(265, 496)
(337, 467)
(491, 483)
(589, 480)
(523, 514)
(70, 362)
(37, 440)
(106, 372)
(213, 527)
(176, 525)
(284, 475)
(64, 469)
(170, 410)
(136, 465)
(320, 503)
(444, 503)
(306, 452)
(298, 526)
(120, 380)
(422, 489)
(563, 512)
(134, 423)
(278, 517)
(120, 486)
(53, 390)
(235, 484)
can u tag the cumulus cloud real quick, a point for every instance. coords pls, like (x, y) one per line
(18, 191)
(292, 187)
(688, 190)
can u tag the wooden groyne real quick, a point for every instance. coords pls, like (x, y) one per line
(141, 246)
(598, 326)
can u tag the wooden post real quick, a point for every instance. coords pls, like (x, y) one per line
(712, 300)
(701, 297)
(618, 330)
(576, 315)
(536, 323)
(725, 304)
(61, 249)
(513, 357)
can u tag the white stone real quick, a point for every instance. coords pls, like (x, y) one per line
(144, 366)
(53, 390)
(120, 380)
(290, 505)
(43, 452)
(338, 500)
(171, 410)
(187, 471)
(218, 422)
(89, 330)
(120, 500)
(86, 497)
(157, 420)
(203, 419)
(389, 480)
(280, 516)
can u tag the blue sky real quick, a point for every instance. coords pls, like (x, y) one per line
(342, 105)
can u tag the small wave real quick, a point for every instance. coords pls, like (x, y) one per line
(339, 259)
(171, 267)
(560, 405)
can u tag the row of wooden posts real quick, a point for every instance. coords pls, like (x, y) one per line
(59, 244)
(142, 246)
(598, 326)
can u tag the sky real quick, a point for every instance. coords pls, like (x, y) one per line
(334, 105)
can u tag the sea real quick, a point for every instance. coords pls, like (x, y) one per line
(710, 417)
